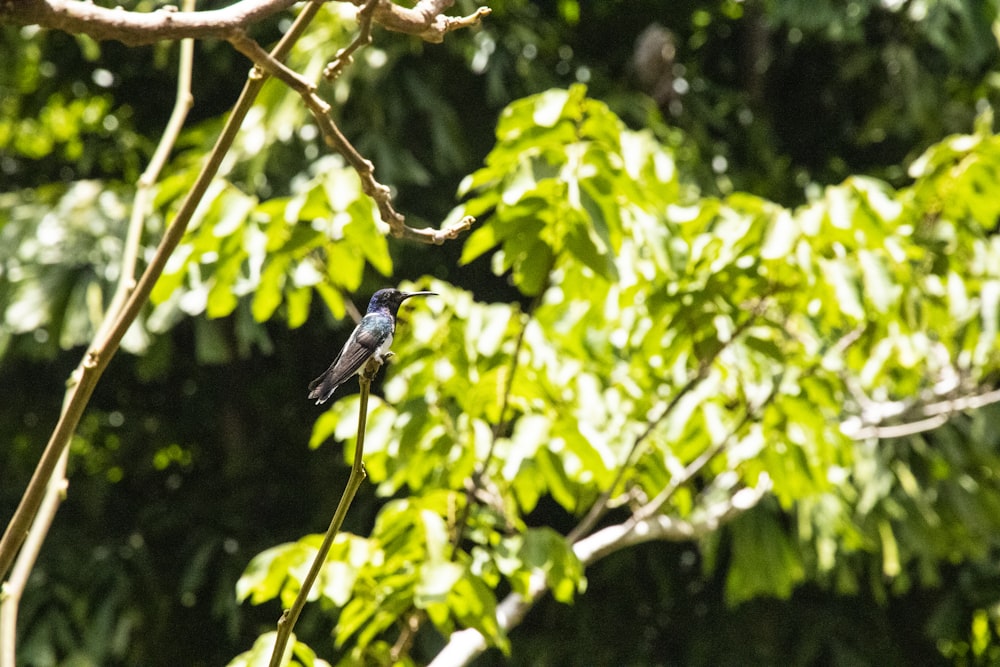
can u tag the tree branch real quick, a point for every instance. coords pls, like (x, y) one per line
(345, 56)
(77, 17)
(464, 645)
(358, 474)
(925, 417)
(138, 28)
(336, 140)
(704, 365)
(57, 484)
(425, 19)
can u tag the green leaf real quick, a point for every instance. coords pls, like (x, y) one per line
(478, 243)
(765, 562)
(267, 296)
(435, 581)
(474, 605)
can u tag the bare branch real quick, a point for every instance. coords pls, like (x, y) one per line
(290, 616)
(345, 56)
(426, 19)
(13, 588)
(925, 417)
(55, 490)
(133, 28)
(137, 28)
(77, 17)
(336, 140)
(662, 527)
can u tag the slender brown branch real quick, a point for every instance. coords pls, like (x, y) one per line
(403, 644)
(267, 63)
(336, 140)
(56, 487)
(138, 28)
(426, 19)
(345, 56)
(291, 615)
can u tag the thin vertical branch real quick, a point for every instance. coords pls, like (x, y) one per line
(14, 587)
(55, 488)
(291, 615)
(496, 431)
(97, 357)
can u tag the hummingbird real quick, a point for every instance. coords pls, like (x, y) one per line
(371, 338)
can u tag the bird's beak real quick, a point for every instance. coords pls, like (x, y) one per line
(407, 295)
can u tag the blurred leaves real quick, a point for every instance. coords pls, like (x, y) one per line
(274, 252)
(60, 253)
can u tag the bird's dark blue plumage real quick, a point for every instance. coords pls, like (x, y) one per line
(371, 338)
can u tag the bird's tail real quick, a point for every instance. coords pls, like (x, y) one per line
(322, 388)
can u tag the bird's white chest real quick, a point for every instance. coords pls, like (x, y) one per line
(381, 350)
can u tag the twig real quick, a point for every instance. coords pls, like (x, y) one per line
(336, 140)
(345, 56)
(13, 588)
(934, 415)
(426, 19)
(477, 477)
(403, 644)
(654, 506)
(97, 357)
(291, 615)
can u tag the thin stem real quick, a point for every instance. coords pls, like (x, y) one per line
(694, 467)
(291, 615)
(345, 56)
(336, 140)
(55, 489)
(477, 477)
(14, 587)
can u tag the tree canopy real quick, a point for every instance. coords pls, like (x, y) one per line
(710, 377)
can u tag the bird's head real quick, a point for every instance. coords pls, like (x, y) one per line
(390, 299)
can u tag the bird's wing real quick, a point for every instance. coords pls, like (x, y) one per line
(356, 351)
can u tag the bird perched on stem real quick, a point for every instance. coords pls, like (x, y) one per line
(371, 338)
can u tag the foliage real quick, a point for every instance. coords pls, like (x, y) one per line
(666, 329)
(794, 288)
